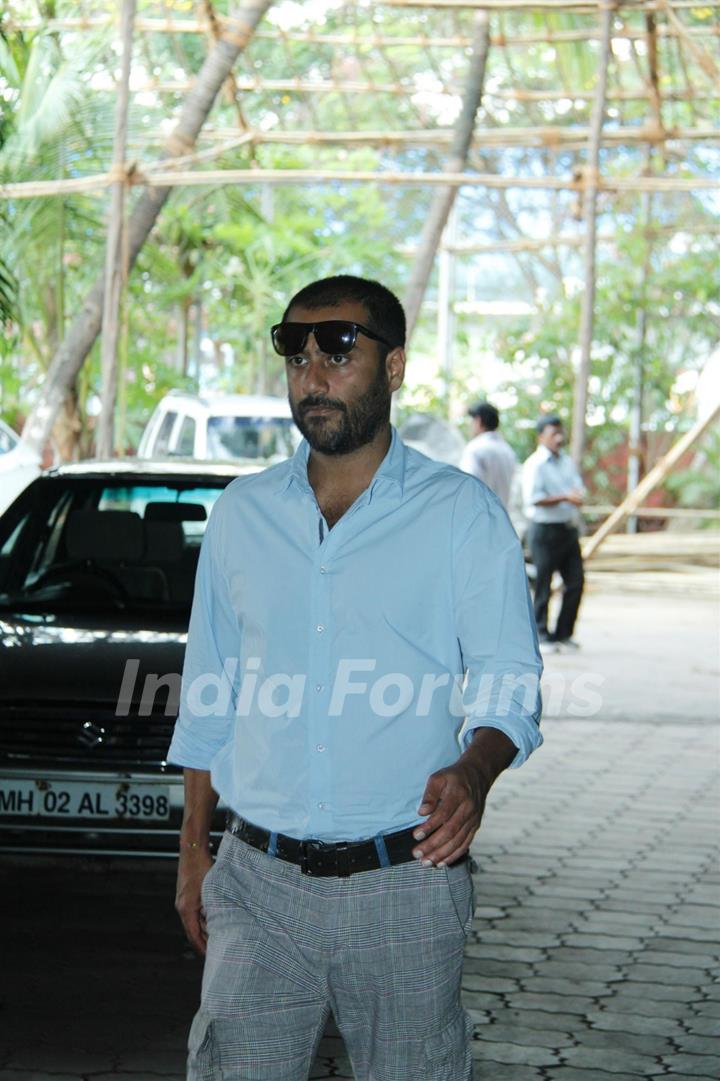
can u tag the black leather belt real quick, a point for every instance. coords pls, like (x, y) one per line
(321, 858)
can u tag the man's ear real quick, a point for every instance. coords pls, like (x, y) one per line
(395, 367)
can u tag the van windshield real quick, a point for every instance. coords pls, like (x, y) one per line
(265, 438)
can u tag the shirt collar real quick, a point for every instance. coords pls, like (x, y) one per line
(390, 471)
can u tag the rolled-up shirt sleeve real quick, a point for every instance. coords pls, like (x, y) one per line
(495, 625)
(205, 720)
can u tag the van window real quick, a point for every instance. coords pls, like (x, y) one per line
(250, 437)
(186, 440)
(163, 436)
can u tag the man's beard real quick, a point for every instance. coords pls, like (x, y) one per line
(352, 426)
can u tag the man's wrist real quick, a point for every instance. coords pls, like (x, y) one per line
(490, 752)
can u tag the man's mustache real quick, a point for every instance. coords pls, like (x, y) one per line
(316, 401)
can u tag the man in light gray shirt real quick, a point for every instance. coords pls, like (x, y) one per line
(553, 493)
(488, 456)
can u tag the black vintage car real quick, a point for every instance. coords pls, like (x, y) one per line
(97, 565)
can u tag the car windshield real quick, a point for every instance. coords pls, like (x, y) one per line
(266, 438)
(104, 543)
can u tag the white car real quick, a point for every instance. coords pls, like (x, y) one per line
(18, 465)
(220, 427)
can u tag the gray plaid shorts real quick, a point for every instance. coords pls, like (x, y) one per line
(382, 949)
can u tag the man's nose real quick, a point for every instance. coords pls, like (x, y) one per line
(315, 373)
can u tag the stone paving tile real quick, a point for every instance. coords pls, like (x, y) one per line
(650, 1007)
(707, 1009)
(510, 1053)
(569, 1073)
(504, 969)
(552, 1003)
(535, 1019)
(494, 985)
(493, 1071)
(495, 952)
(610, 1020)
(658, 992)
(546, 985)
(702, 1026)
(654, 974)
(603, 942)
(507, 1033)
(682, 945)
(700, 1045)
(650, 1045)
(519, 938)
(609, 1059)
(701, 1065)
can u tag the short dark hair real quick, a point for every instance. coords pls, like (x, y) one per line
(385, 312)
(544, 422)
(487, 414)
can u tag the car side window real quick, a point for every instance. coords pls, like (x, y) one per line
(163, 437)
(185, 447)
(7, 442)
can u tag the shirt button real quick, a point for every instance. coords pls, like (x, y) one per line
(318, 687)
(319, 628)
(322, 806)
(323, 570)
(320, 747)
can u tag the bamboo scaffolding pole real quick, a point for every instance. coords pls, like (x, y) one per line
(549, 5)
(701, 56)
(30, 189)
(257, 84)
(499, 137)
(587, 312)
(649, 482)
(599, 510)
(114, 252)
(458, 41)
(511, 246)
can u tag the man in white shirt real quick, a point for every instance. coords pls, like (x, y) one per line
(488, 456)
(553, 493)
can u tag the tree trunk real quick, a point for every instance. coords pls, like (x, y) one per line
(445, 197)
(587, 314)
(85, 328)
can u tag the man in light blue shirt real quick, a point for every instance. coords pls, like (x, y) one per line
(553, 493)
(361, 665)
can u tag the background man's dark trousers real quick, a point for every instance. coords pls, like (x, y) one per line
(556, 547)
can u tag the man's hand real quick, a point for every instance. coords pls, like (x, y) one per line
(193, 866)
(454, 797)
(575, 496)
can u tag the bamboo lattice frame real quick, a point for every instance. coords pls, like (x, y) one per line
(698, 92)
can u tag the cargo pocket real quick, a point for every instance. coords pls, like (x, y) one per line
(201, 1063)
(447, 1053)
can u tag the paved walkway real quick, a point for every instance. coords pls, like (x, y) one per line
(595, 946)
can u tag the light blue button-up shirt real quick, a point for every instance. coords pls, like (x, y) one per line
(545, 474)
(328, 673)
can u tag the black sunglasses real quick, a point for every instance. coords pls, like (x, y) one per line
(334, 337)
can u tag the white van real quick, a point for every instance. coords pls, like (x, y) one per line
(220, 427)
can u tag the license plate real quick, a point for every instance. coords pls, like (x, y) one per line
(96, 800)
